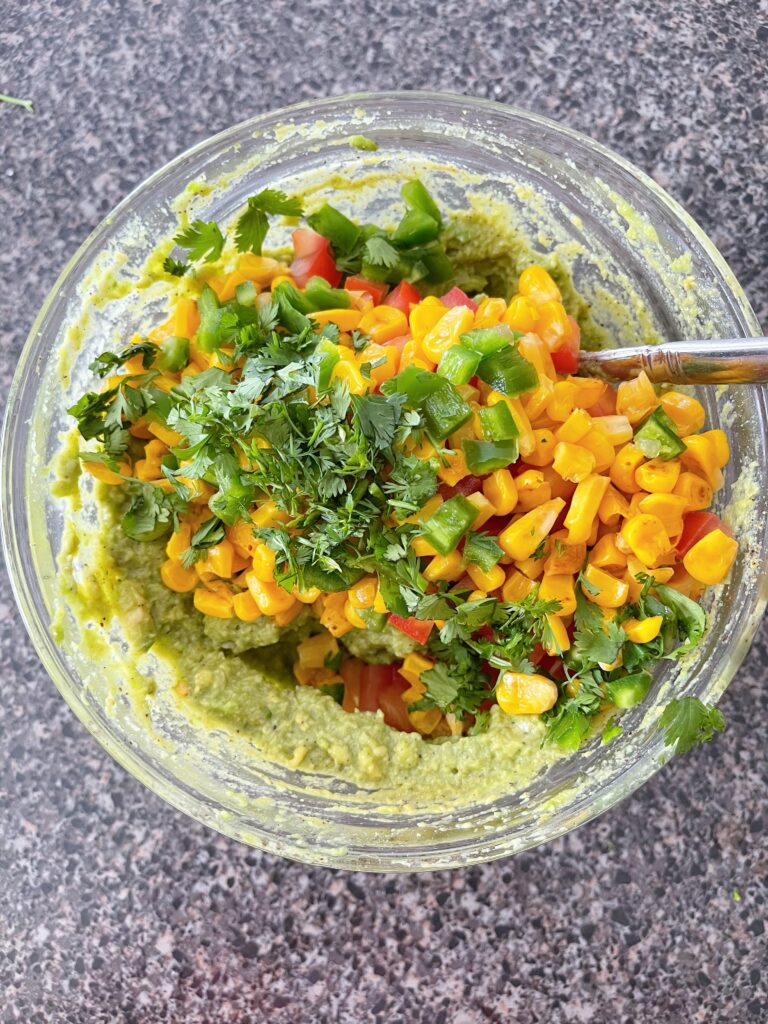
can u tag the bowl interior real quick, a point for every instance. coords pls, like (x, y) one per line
(645, 270)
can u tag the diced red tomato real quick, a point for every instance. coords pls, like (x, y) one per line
(350, 672)
(416, 629)
(537, 655)
(697, 525)
(456, 297)
(376, 289)
(605, 405)
(399, 342)
(468, 485)
(402, 297)
(566, 358)
(381, 687)
(312, 257)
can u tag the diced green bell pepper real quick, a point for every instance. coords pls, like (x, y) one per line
(416, 228)
(505, 370)
(445, 527)
(173, 354)
(498, 423)
(417, 197)
(329, 581)
(486, 340)
(246, 293)
(329, 357)
(459, 365)
(413, 382)
(341, 232)
(210, 317)
(444, 409)
(481, 549)
(487, 456)
(298, 300)
(657, 438)
(628, 690)
(570, 730)
(320, 295)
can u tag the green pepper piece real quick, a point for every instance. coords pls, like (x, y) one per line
(438, 268)
(334, 690)
(413, 382)
(508, 372)
(628, 690)
(329, 580)
(459, 365)
(210, 317)
(417, 197)
(416, 228)
(173, 354)
(444, 410)
(246, 293)
(445, 527)
(320, 295)
(481, 549)
(489, 339)
(498, 423)
(294, 297)
(570, 730)
(329, 353)
(657, 438)
(375, 621)
(341, 232)
(487, 456)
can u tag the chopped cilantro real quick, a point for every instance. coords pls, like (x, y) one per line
(253, 224)
(687, 721)
(203, 240)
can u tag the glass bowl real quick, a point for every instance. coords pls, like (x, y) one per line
(622, 238)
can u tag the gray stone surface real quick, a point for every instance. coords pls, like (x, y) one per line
(114, 907)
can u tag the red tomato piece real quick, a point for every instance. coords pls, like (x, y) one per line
(605, 405)
(350, 671)
(467, 486)
(416, 629)
(376, 289)
(394, 708)
(312, 257)
(456, 297)
(402, 296)
(566, 358)
(696, 525)
(400, 342)
(381, 687)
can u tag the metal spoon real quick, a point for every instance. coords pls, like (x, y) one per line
(726, 361)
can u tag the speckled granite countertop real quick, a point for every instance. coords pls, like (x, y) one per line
(114, 907)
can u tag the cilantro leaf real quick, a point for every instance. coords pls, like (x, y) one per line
(690, 617)
(106, 362)
(687, 721)
(175, 267)
(378, 416)
(594, 639)
(203, 240)
(210, 533)
(380, 253)
(253, 224)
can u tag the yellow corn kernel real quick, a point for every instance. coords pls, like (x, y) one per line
(486, 582)
(701, 456)
(616, 429)
(532, 348)
(169, 437)
(446, 332)
(710, 559)
(636, 398)
(220, 558)
(445, 567)
(563, 400)
(600, 446)
(609, 592)
(559, 587)
(658, 476)
(261, 269)
(516, 587)
(268, 514)
(245, 607)
(575, 427)
(624, 467)
(425, 722)
(424, 316)
(532, 490)
(383, 323)
(588, 390)
(104, 474)
(685, 412)
(413, 665)
(426, 509)
(353, 616)
(720, 446)
(484, 509)
(176, 577)
(558, 487)
(350, 375)
(263, 562)
(308, 596)
(521, 694)
(363, 594)
(372, 353)
(695, 490)
(345, 319)
(535, 402)
(241, 535)
(453, 467)
(489, 312)
(636, 568)
(332, 615)
(669, 508)
(280, 278)
(233, 279)
(379, 604)
(286, 618)
(521, 538)
(499, 488)
(422, 547)
(553, 325)
(186, 319)
(583, 509)
(533, 567)
(537, 284)
(543, 451)
(217, 605)
(178, 542)
(564, 558)
(269, 597)
(525, 439)
(521, 314)
(613, 507)
(558, 641)
(647, 538)
(642, 631)
(572, 461)
(606, 555)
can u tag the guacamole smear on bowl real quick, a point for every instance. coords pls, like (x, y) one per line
(358, 500)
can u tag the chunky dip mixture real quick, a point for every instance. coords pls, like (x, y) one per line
(376, 523)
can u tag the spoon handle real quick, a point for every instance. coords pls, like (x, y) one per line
(726, 361)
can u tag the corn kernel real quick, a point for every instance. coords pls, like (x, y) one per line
(553, 325)
(350, 375)
(444, 567)
(543, 451)
(486, 582)
(583, 509)
(217, 605)
(623, 468)
(647, 538)
(636, 398)
(532, 348)
(104, 474)
(446, 332)
(558, 641)
(245, 607)
(617, 429)
(263, 562)
(332, 614)
(423, 318)
(537, 284)
(685, 412)
(521, 314)
(603, 589)
(560, 588)
(499, 488)
(696, 491)
(220, 558)
(575, 427)
(642, 631)
(383, 323)
(563, 401)
(658, 476)
(606, 555)
(489, 312)
(710, 559)
(363, 593)
(600, 446)
(521, 694)
(269, 597)
(669, 508)
(453, 467)
(563, 557)
(353, 616)
(485, 509)
(525, 439)
(572, 462)
(177, 578)
(517, 587)
(413, 665)
(521, 538)
(614, 506)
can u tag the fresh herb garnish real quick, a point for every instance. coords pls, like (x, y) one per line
(687, 721)
(253, 225)
(202, 239)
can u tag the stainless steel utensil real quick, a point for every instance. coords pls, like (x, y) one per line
(726, 361)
